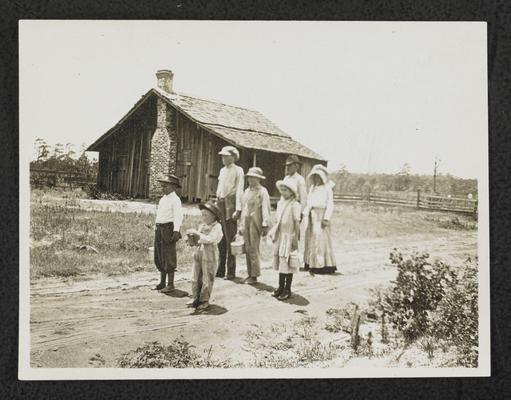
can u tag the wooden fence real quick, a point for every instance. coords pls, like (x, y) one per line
(52, 178)
(413, 199)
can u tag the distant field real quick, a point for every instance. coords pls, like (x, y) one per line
(59, 225)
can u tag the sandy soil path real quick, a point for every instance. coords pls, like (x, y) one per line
(91, 323)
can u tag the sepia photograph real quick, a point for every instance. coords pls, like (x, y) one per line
(253, 199)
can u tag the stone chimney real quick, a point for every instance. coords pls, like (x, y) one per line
(164, 140)
(164, 79)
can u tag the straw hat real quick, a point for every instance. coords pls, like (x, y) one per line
(293, 159)
(210, 206)
(172, 179)
(256, 172)
(290, 184)
(230, 151)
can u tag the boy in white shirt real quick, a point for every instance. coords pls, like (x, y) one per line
(169, 216)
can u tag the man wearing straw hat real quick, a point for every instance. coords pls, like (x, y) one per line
(229, 196)
(293, 164)
(169, 217)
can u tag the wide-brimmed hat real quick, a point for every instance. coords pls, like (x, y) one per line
(321, 172)
(172, 179)
(210, 206)
(293, 159)
(321, 167)
(256, 172)
(230, 151)
(290, 184)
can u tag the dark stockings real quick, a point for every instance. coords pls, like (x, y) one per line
(282, 280)
(285, 281)
(289, 280)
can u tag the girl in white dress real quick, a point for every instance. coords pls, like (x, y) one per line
(285, 235)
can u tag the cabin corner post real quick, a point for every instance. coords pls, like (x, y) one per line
(163, 146)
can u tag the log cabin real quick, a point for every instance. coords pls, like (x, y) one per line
(167, 132)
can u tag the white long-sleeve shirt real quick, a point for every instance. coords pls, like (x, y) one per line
(169, 210)
(213, 237)
(300, 184)
(231, 181)
(320, 196)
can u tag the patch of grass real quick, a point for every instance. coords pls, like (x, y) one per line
(59, 227)
(289, 345)
(428, 345)
(355, 221)
(339, 320)
(178, 354)
(456, 222)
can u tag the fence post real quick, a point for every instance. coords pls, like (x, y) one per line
(418, 198)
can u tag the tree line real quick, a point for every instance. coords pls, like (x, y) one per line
(62, 158)
(402, 181)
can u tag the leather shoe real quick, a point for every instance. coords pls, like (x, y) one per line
(286, 294)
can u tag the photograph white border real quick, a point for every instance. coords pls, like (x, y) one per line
(26, 372)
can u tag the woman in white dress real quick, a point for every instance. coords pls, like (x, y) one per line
(319, 257)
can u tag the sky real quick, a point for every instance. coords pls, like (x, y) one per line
(368, 95)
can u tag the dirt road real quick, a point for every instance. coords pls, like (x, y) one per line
(91, 323)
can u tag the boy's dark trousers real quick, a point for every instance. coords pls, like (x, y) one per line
(230, 228)
(165, 257)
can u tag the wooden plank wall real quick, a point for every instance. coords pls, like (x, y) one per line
(124, 157)
(198, 162)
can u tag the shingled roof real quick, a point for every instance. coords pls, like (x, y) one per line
(239, 126)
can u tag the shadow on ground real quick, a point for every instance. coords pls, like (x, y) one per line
(213, 309)
(297, 300)
(177, 293)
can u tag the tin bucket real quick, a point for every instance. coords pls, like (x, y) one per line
(238, 247)
(294, 261)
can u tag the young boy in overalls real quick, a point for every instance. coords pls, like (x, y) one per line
(169, 217)
(255, 216)
(205, 262)
(229, 193)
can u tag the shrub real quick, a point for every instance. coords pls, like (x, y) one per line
(179, 354)
(432, 301)
(457, 318)
(416, 292)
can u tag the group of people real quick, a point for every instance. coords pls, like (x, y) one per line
(246, 212)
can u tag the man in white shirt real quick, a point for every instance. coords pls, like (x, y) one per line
(229, 195)
(292, 166)
(169, 216)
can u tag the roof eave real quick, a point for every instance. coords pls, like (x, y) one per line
(95, 146)
(112, 130)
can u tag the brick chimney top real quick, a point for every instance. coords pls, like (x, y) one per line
(164, 79)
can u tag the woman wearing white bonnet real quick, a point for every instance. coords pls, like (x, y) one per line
(318, 255)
